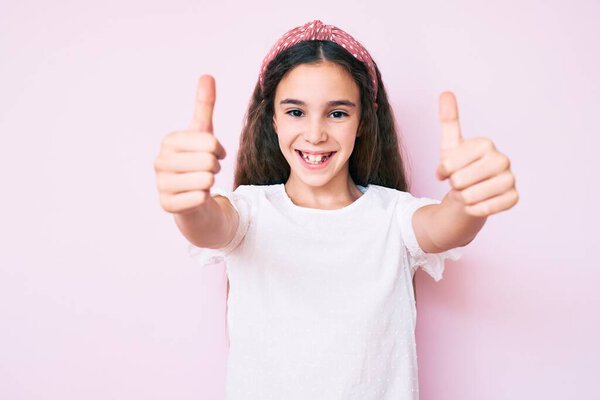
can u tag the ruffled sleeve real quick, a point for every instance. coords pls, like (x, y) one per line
(432, 263)
(206, 256)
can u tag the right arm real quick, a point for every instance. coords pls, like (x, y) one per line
(212, 225)
(185, 172)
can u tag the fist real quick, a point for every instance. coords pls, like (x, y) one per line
(189, 159)
(479, 174)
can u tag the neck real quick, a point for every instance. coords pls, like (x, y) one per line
(337, 193)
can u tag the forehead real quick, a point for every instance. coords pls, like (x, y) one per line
(319, 82)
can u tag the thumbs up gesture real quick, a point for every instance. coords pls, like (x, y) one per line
(189, 159)
(479, 174)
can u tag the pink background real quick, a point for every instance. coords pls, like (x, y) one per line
(98, 296)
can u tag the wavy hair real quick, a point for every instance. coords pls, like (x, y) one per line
(376, 157)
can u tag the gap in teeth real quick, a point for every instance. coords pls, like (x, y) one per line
(315, 158)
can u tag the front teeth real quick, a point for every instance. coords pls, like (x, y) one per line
(315, 158)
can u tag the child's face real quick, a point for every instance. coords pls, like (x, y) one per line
(317, 111)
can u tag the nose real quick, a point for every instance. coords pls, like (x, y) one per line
(315, 132)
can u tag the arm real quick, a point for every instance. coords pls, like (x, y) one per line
(185, 172)
(482, 184)
(212, 225)
(440, 227)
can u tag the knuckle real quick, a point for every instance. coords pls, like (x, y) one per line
(486, 144)
(510, 178)
(211, 179)
(160, 184)
(166, 141)
(446, 166)
(206, 181)
(466, 196)
(166, 203)
(474, 211)
(209, 158)
(206, 140)
(481, 210)
(156, 165)
(216, 165)
(455, 180)
(202, 196)
(205, 162)
(170, 139)
(470, 198)
(515, 196)
(504, 161)
(214, 144)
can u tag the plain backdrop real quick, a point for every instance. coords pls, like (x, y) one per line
(99, 298)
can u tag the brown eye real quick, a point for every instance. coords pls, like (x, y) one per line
(295, 113)
(339, 114)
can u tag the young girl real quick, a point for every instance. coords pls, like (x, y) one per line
(320, 236)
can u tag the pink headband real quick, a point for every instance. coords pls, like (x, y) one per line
(316, 30)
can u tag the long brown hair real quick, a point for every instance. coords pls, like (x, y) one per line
(376, 158)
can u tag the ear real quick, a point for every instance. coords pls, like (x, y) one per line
(274, 124)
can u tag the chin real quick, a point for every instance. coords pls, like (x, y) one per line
(314, 181)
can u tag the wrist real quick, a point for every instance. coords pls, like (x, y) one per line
(464, 226)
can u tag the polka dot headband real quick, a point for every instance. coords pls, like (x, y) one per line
(316, 30)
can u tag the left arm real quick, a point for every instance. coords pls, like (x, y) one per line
(439, 227)
(482, 185)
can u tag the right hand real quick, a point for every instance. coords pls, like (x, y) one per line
(189, 159)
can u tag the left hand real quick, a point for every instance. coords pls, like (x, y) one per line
(479, 174)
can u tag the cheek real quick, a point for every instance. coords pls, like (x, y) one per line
(283, 134)
(285, 140)
(347, 136)
(277, 124)
(286, 132)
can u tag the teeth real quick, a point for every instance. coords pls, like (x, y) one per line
(315, 158)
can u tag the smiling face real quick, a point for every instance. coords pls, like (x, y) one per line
(317, 114)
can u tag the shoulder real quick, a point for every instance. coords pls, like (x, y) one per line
(388, 196)
(254, 195)
(256, 191)
(401, 201)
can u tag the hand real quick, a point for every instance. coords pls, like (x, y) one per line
(479, 174)
(189, 159)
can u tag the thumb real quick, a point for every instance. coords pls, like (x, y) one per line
(205, 103)
(451, 136)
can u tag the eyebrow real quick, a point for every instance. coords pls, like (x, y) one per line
(330, 103)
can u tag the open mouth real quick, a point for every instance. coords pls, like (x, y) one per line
(315, 159)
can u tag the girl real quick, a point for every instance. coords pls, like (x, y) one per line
(321, 237)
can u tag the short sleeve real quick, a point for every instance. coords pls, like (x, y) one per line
(432, 263)
(241, 204)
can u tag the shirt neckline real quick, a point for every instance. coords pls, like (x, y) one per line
(366, 190)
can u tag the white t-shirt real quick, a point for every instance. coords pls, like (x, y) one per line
(321, 302)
